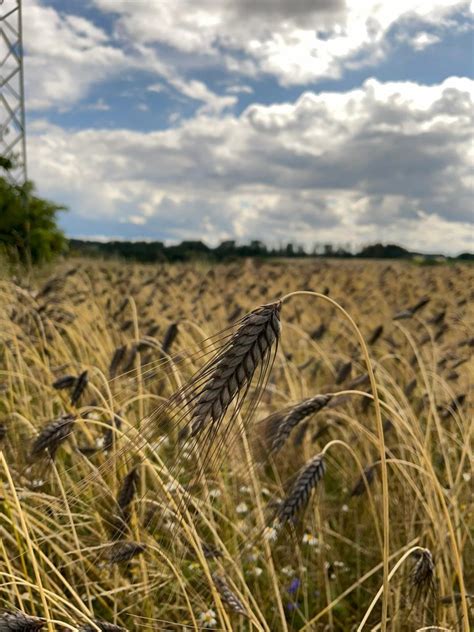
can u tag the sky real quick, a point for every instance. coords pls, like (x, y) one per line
(310, 121)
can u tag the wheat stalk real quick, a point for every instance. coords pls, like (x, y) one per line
(169, 337)
(364, 481)
(52, 436)
(128, 488)
(124, 551)
(299, 494)
(79, 387)
(285, 422)
(117, 359)
(67, 381)
(20, 622)
(422, 576)
(103, 626)
(235, 366)
(375, 335)
(344, 372)
(228, 596)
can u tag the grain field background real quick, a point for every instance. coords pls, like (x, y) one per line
(188, 447)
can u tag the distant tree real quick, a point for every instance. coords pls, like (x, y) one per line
(380, 251)
(226, 249)
(290, 250)
(28, 228)
(258, 247)
(328, 250)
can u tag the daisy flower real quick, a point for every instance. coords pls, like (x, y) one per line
(288, 571)
(270, 534)
(310, 539)
(208, 619)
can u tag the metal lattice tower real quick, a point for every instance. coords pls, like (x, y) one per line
(12, 92)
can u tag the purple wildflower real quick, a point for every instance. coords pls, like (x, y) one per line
(295, 584)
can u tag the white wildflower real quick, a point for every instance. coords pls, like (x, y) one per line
(270, 534)
(172, 486)
(208, 619)
(310, 539)
(253, 554)
(99, 442)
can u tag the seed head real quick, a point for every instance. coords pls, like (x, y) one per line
(20, 622)
(103, 626)
(52, 436)
(299, 494)
(294, 415)
(124, 551)
(235, 365)
(79, 388)
(228, 597)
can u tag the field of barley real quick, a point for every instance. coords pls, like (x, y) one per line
(271, 446)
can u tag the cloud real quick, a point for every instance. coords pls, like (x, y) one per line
(198, 91)
(66, 55)
(296, 41)
(239, 89)
(422, 40)
(100, 105)
(384, 161)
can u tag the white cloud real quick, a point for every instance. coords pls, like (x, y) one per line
(156, 87)
(238, 89)
(388, 160)
(297, 41)
(66, 55)
(422, 40)
(100, 105)
(198, 91)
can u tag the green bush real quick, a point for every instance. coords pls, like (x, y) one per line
(28, 224)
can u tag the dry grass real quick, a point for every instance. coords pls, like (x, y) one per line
(162, 468)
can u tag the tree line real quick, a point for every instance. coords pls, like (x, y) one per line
(158, 252)
(29, 234)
